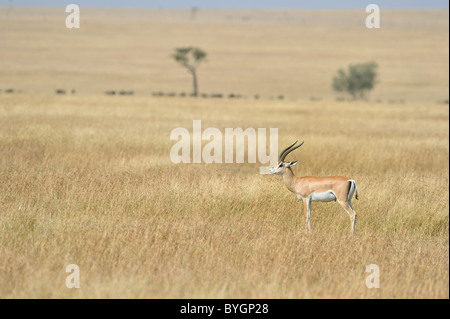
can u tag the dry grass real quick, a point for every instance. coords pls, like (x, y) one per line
(87, 178)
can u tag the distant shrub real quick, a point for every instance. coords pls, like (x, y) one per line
(357, 81)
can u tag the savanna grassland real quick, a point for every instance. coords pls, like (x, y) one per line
(87, 178)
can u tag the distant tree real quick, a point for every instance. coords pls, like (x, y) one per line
(190, 58)
(359, 79)
(193, 12)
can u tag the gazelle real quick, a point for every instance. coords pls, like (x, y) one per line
(323, 189)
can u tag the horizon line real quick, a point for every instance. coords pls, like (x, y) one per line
(225, 8)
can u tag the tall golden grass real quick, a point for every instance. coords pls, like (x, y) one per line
(88, 180)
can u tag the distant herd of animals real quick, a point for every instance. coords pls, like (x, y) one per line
(214, 95)
(204, 95)
(158, 94)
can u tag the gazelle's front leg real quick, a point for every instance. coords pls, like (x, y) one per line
(307, 210)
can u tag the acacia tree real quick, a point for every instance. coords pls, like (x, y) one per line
(190, 58)
(359, 79)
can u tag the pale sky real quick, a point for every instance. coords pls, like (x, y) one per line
(231, 4)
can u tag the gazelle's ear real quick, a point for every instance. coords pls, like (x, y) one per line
(291, 163)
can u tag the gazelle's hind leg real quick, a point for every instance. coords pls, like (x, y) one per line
(347, 206)
(354, 216)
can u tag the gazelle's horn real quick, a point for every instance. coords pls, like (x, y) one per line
(288, 150)
(280, 158)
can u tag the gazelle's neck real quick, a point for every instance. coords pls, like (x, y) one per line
(289, 179)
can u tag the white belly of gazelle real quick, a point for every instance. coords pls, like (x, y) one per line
(327, 196)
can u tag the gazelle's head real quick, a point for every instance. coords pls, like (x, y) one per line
(281, 166)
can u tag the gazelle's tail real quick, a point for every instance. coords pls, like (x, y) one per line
(353, 189)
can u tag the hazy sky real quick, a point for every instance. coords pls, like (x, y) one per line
(264, 4)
